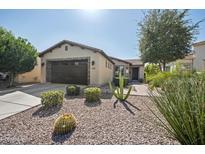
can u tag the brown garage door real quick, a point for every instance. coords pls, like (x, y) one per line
(69, 71)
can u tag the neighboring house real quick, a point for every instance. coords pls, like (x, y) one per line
(185, 63)
(199, 56)
(74, 63)
(193, 61)
(33, 76)
(131, 68)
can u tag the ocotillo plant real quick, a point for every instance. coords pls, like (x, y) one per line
(118, 92)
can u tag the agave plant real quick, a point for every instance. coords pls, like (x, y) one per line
(118, 92)
(182, 104)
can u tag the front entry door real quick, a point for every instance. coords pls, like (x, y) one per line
(135, 73)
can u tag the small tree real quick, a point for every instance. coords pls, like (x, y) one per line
(17, 55)
(152, 69)
(165, 36)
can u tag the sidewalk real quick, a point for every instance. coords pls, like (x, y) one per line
(16, 102)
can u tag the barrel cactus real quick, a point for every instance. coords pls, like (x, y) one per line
(64, 124)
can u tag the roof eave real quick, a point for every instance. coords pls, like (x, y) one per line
(76, 44)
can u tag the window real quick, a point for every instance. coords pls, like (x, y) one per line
(108, 64)
(127, 71)
(186, 66)
(66, 48)
(117, 70)
(122, 69)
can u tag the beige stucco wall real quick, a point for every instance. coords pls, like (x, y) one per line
(32, 76)
(59, 53)
(105, 73)
(198, 62)
(141, 72)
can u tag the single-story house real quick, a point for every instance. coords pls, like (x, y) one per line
(75, 63)
(133, 69)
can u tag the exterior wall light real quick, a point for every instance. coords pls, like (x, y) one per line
(93, 62)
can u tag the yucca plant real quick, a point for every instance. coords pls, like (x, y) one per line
(182, 104)
(118, 92)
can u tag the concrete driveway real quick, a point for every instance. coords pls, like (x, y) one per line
(18, 99)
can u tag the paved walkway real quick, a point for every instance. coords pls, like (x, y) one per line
(23, 97)
(15, 102)
(139, 89)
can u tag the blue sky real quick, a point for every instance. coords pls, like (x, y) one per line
(113, 31)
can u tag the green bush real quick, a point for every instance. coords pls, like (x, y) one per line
(92, 94)
(159, 79)
(64, 124)
(151, 70)
(52, 98)
(72, 90)
(182, 104)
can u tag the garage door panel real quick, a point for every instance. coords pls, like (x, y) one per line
(70, 72)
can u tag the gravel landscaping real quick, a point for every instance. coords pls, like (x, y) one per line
(96, 124)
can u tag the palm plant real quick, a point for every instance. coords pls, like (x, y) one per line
(182, 104)
(118, 92)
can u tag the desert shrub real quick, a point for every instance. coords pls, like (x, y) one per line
(151, 70)
(92, 94)
(72, 90)
(159, 79)
(64, 124)
(52, 98)
(182, 104)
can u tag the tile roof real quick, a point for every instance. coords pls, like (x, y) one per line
(76, 44)
(135, 61)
